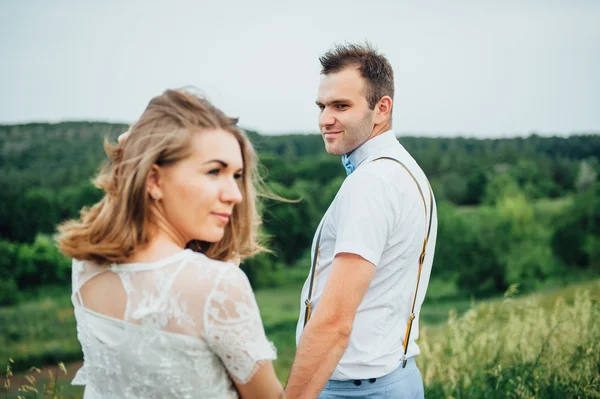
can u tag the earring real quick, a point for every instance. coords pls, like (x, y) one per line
(156, 197)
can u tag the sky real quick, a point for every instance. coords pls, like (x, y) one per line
(474, 68)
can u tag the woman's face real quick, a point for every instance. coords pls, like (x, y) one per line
(200, 191)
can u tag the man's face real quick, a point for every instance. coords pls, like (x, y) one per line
(345, 120)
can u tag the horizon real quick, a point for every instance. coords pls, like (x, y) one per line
(398, 134)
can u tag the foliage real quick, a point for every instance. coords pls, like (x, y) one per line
(46, 172)
(517, 350)
(575, 240)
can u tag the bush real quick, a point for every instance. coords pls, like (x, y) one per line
(40, 263)
(263, 271)
(9, 292)
(578, 230)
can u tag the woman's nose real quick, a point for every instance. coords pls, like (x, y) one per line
(231, 192)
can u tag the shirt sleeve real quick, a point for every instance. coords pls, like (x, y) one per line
(365, 215)
(233, 327)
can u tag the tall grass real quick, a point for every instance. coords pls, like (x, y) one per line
(50, 386)
(545, 345)
(516, 349)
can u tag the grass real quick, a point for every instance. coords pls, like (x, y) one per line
(51, 383)
(279, 310)
(538, 346)
(38, 332)
(525, 345)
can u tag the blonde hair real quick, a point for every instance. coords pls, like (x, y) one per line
(111, 230)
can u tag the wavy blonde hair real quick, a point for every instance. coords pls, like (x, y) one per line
(114, 228)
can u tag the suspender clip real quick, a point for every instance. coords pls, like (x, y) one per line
(404, 360)
(307, 311)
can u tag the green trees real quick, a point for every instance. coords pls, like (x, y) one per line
(26, 266)
(576, 240)
(492, 230)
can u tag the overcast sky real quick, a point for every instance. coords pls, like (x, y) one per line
(477, 68)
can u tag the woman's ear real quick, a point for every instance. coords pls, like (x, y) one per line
(154, 183)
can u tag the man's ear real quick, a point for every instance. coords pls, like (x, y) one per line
(154, 182)
(383, 109)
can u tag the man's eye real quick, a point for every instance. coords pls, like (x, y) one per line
(341, 106)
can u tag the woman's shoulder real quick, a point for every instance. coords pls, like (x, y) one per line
(197, 266)
(201, 261)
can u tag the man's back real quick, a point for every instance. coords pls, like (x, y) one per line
(371, 240)
(380, 215)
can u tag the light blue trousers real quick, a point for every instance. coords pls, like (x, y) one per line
(403, 383)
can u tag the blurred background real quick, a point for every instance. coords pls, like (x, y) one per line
(497, 101)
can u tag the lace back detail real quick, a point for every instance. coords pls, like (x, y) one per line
(189, 324)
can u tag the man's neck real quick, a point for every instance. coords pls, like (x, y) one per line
(379, 129)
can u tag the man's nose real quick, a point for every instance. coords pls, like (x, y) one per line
(326, 118)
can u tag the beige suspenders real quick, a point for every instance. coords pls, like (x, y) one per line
(308, 302)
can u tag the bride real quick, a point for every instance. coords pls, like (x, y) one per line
(160, 311)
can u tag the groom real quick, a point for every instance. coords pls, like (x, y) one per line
(360, 307)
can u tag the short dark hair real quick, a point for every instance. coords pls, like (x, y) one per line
(373, 67)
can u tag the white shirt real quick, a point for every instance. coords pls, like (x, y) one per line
(378, 214)
(190, 323)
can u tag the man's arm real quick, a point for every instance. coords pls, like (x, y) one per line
(326, 335)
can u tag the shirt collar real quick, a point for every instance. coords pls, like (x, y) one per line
(384, 140)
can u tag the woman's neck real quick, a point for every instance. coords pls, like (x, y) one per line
(161, 245)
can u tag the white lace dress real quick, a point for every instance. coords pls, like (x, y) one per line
(190, 325)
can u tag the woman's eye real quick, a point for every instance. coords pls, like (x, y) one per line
(214, 172)
(238, 176)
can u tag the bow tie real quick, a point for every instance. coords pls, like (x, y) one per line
(347, 164)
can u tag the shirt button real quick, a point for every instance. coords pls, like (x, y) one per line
(357, 382)
(372, 380)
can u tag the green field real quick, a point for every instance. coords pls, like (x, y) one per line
(540, 345)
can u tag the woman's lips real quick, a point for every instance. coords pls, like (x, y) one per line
(223, 217)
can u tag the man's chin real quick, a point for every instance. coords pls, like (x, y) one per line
(332, 150)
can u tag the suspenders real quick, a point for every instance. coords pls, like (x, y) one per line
(315, 260)
(308, 302)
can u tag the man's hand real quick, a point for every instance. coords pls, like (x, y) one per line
(327, 334)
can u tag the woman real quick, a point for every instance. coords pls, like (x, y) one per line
(160, 313)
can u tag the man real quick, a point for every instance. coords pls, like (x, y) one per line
(368, 245)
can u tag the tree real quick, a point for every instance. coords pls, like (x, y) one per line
(577, 233)
(586, 177)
